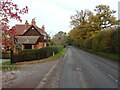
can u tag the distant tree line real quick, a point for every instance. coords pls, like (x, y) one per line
(59, 39)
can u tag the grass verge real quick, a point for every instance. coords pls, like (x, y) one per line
(111, 56)
(58, 55)
(10, 67)
(7, 66)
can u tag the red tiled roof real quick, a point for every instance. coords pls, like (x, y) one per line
(20, 29)
(40, 30)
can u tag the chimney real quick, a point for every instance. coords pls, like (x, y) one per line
(26, 25)
(33, 22)
(43, 27)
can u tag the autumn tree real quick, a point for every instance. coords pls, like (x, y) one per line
(80, 18)
(9, 10)
(105, 17)
(86, 24)
(74, 36)
(81, 25)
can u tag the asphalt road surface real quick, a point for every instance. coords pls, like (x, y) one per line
(77, 69)
(85, 70)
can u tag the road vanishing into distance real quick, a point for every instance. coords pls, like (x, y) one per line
(77, 69)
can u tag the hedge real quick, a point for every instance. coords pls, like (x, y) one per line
(88, 43)
(107, 41)
(116, 41)
(36, 54)
(97, 41)
(105, 45)
(6, 55)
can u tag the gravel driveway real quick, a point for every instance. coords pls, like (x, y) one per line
(28, 77)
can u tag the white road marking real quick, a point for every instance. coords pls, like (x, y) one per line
(113, 78)
(117, 81)
(96, 65)
(79, 69)
(43, 81)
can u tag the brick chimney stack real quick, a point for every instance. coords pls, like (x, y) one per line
(26, 25)
(33, 22)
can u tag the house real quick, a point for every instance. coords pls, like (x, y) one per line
(31, 36)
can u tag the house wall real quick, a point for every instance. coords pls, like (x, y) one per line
(23, 47)
(39, 45)
(33, 46)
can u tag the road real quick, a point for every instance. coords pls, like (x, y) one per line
(84, 70)
(77, 69)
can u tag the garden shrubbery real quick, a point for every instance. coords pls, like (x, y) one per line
(36, 54)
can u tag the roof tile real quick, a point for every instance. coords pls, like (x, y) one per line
(27, 39)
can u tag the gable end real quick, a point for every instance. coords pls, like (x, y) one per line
(32, 31)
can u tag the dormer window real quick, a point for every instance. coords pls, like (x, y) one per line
(32, 28)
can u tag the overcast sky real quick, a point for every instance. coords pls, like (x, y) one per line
(55, 14)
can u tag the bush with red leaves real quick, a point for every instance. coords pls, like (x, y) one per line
(9, 10)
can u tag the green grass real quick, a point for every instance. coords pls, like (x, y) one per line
(58, 55)
(8, 66)
(55, 57)
(6, 63)
(111, 56)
